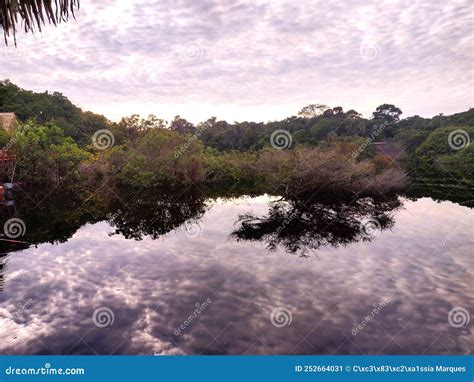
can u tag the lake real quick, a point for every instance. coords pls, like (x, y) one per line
(246, 275)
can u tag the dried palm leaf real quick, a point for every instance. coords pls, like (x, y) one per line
(33, 14)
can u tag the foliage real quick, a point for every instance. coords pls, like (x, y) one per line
(159, 157)
(331, 149)
(51, 107)
(45, 155)
(436, 160)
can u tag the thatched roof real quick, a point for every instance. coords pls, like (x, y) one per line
(8, 121)
(33, 14)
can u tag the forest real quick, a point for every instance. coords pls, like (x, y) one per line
(320, 148)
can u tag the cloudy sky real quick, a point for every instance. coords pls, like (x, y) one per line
(253, 59)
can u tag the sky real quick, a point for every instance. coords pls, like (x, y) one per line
(252, 60)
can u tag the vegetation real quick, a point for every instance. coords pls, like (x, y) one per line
(439, 150)
(328, 149)
(328, 174)
(434, 159)
(51, 107)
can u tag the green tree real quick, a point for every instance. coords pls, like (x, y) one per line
(45, 155)
(182, 126)
(386, 116)
(312, 110)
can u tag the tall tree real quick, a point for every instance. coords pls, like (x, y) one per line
(387, 113)
(385, 119)
(182, 126)
(312, 110)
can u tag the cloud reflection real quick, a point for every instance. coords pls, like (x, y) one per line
(152, 285)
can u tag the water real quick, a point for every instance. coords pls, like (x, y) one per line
(215, 286)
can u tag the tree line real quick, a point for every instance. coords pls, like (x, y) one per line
(55, 144)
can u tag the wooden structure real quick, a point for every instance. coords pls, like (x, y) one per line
(8, 121)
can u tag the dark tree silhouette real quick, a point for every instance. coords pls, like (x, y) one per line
(300, 227)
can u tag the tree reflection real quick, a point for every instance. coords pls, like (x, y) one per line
(453, 192)
(156, 213)
(50, 218)
(292, 222)
(299, 226)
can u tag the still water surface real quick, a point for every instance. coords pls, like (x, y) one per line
(406, 278)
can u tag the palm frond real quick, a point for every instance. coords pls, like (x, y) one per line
(33, 14)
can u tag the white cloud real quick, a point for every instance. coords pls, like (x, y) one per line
(252, 59)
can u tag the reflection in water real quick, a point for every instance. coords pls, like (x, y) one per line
(155, 214)
(418, 270)
(300, 225)
(50, 217)
(456, 193)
